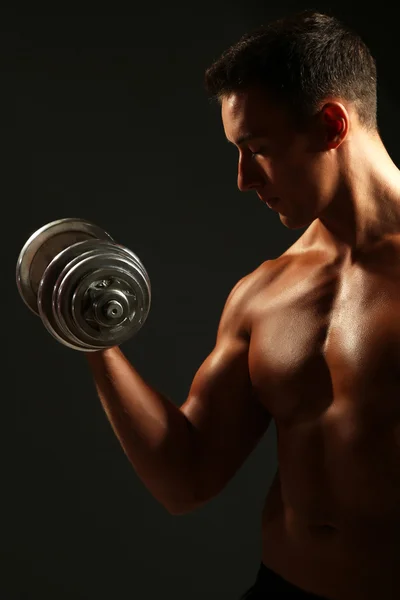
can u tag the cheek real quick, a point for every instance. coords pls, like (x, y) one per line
(300, 181)
(294, 174)
(304, 172)
(293, 168)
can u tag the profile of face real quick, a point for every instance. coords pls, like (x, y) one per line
(290, 170)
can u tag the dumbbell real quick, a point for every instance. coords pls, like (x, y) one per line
(90, 292)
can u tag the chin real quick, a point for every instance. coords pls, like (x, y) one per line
(291, 222)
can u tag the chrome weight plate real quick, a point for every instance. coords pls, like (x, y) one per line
(61, 261)
(43, 245)
(101, 300)
(93, 295)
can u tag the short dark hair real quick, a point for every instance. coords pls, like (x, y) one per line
(300, 60)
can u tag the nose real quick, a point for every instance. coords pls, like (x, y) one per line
(250, 176)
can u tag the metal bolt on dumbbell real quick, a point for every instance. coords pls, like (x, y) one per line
(90, 292)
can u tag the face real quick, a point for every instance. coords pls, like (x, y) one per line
(287, 169)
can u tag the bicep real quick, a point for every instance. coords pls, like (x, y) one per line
(222, 410)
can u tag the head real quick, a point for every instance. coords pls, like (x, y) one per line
(290, 94)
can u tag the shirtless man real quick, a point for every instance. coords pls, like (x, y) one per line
(310, 339)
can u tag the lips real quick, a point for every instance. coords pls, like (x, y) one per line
(271, 202)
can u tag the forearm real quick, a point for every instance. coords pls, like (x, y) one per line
(154, 434)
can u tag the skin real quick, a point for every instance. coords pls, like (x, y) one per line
(336, 171)
(311, 340)
(324, 357)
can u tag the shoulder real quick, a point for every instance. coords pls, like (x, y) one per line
(238, 306)
(251, 282)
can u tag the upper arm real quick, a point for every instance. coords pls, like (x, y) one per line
(226, 417)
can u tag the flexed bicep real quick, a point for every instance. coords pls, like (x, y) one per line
(222, 409)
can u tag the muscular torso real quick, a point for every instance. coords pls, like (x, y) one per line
(324, 359)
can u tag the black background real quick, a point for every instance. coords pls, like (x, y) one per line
(104, 117)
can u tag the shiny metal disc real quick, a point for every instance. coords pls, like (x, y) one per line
(43, 245)
(66, 258)
(62, 301)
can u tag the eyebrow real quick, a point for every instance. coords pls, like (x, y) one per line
(246, 138)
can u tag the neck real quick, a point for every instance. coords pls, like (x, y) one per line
(366, 208)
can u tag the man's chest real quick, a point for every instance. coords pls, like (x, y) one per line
(323, 331)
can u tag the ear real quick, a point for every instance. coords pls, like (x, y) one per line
(335, 121)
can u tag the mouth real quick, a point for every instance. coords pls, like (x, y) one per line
(272, 202)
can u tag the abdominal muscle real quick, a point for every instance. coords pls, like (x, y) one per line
(337, 559)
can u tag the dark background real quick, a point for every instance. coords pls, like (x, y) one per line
(104, 117)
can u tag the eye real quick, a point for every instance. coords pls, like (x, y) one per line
(259, 152)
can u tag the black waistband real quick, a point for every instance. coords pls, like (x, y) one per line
(269, 581)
